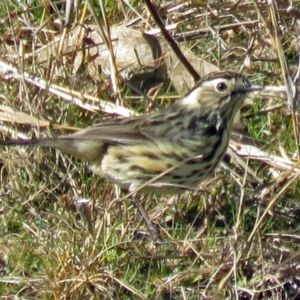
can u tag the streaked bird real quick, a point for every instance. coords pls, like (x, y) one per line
(168, 151)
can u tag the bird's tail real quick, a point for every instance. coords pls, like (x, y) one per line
(51, 143)
(88, 150)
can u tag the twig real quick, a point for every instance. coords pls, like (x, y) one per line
(10, 71)
(170, 41)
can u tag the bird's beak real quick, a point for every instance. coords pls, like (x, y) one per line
(255, 88)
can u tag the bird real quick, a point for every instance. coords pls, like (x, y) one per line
(169, 151)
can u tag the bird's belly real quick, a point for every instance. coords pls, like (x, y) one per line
(151, 168)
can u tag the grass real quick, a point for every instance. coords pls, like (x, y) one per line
(64, 234)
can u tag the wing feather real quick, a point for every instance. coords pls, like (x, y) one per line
(134, 130)
(118, 131)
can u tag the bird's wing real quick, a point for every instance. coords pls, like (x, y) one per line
(133, 130)
(118, 131)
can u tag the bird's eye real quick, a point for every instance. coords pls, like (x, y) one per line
(221, 87)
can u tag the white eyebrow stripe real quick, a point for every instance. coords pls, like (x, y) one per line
(214, 81)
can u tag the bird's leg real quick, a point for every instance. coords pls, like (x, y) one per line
(151, 227)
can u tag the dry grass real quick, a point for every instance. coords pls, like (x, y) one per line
(65, 234)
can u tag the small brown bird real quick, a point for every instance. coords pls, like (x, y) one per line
(168, 151)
